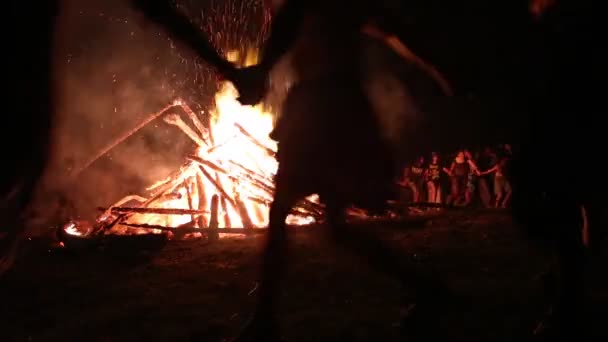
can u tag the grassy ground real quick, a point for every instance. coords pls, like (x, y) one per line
(194, 290)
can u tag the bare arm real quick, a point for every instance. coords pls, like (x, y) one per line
(283, 32)
(474, 167)
(178, 25)
(393, 42)
(493, 169)
(449, 171)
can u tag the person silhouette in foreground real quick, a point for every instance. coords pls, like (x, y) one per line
(30, 103)
(329, 143)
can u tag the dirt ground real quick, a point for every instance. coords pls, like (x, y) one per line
(134, 290)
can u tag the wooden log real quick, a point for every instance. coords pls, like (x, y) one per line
(217, 185)
(170, 186)
(213, 220)
(216, 147)
(170, 211)
(119, 219)
(202, 200)
(294, 211)
(190, 230)
(251, 172)
(207, 122)
(204, 133)
(260, 181)
(176, 120)
(244, 214)
(171, 178)
(259, 200)
(259, 213)
(227, 221)
(189, 197)
(311, 207)
(261, 186)
(122, 201)
(208, 163)
(159, 211)
(120, 139)
(253, 139)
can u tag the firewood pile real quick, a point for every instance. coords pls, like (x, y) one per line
(224, 186)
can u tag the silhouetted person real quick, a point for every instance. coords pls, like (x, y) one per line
(329, 140)
(433, 180)
(29, 111)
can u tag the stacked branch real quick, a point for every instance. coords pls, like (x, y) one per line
(209, 192)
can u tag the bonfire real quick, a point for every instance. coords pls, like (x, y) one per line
(225, 184)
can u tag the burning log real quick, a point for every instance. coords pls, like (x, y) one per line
(119, 219)
(294, 211)
(254, 175)
(311, 207)
(190, 230)
(216, 147)
(160, 194)
(201, 200)
(268, 150)
(213, 220)
(195, 120)
(121, 138)
(175, 120)
(210, 164)
(247, 223)
(227, 221)
(171, 178)
(106, 212)
(217, 185)
(189, 196)
(169, 186)
(207, 119)
(159, 211)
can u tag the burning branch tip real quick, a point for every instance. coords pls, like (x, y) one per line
(176, 120)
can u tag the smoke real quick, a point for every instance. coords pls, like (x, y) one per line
(387, 78)
(112, 70)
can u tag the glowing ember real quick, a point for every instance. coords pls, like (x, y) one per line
(78, 228)
(226, 183)
(70, 228)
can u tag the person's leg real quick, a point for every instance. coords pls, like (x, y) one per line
(438, 193)
(507, 197)
(460, 191)
(432, 192)
(484, 192)
(468, 195)
(453, 196)
(414, 188)
(263, 326)
(498, 188)
(422, 194)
